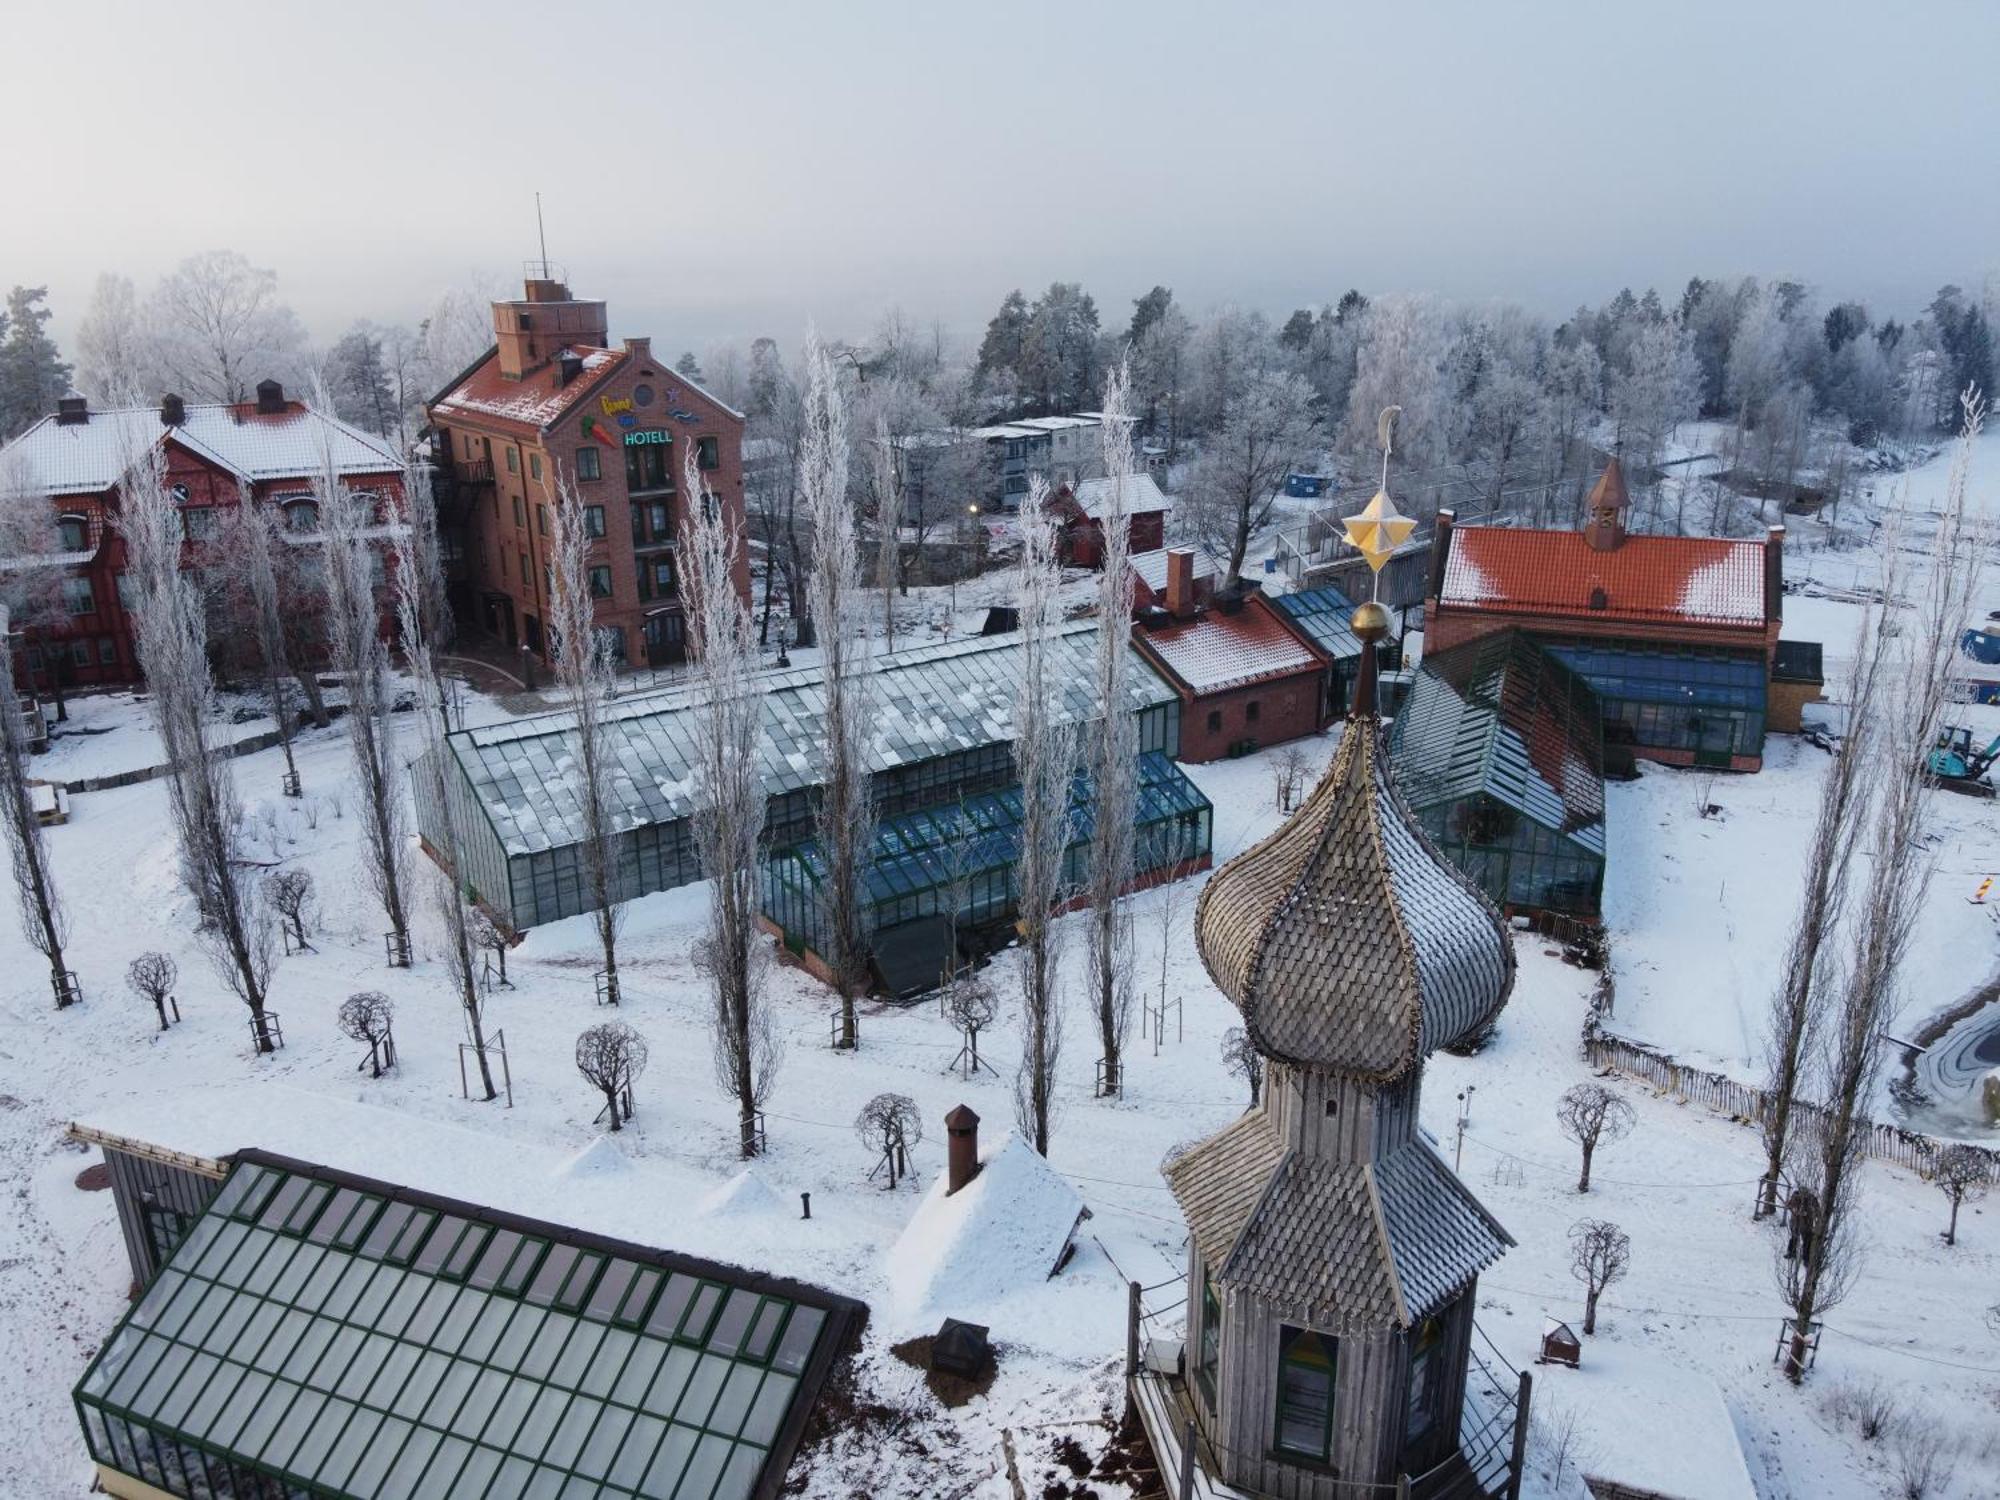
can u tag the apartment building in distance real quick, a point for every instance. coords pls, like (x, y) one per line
(554, 407)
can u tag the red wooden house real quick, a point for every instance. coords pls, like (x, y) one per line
(1079, 511)
(270, 447)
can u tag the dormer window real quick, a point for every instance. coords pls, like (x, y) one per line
(301, 513)
(74, 532)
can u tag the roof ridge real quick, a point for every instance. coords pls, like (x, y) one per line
(1388, 1246)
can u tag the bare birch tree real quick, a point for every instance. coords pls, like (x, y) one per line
(1900, 865)
(1801, 1000)
(729, 803)
(1045, 760)
(583, 677)
(889, 527)
(237, 929)
(1112, 750)
(423, 623)
(43, 921)
(354, 630)
(846, 814)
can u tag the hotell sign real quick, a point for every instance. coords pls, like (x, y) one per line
(648, 438)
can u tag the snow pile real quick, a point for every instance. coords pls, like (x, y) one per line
(745, 1195)
(597, 1161)
(967, 1254)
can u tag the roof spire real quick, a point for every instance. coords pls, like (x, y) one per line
(1376, 533)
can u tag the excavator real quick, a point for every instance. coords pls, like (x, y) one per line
(1957, 766)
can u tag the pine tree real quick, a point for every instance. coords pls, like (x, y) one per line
(33, 376)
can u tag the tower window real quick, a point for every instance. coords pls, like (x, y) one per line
(1305, 1394)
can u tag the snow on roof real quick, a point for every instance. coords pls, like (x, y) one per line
(1221, 650)
(1142, 496)
(929, 701)
(1699, 580)
(1626, 1397)
(1059, 424)
(966, 1254)
(1152, 567)
(538, 399)
(87, 457)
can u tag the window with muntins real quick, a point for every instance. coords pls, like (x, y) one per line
(1304, 1427)
(587, 464)
(78, 599)
(75, 532)
(600, 583)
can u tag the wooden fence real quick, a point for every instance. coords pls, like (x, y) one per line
(1909, 1149)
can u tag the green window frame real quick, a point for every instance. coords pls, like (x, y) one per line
(1211, 1340)
(1302, 1424)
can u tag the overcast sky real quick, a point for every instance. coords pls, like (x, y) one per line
(718, 171)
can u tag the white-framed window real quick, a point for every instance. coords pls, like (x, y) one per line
(78, 597)
(74, 530)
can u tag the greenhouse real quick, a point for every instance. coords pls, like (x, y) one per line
(319, 1334)
(943, 719)
(1499, 750)
(942, 880)
(1325, 617)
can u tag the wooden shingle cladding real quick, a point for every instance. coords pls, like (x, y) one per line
(1344, 939)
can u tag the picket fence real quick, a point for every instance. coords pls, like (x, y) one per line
(1909, 1149)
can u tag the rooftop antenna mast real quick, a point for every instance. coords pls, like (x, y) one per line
(542, 235)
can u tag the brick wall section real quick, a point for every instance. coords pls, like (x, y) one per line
(1286, 708)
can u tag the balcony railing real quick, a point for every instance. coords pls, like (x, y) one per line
(474, 470)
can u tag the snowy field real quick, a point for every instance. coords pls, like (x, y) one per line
(1697, 1311)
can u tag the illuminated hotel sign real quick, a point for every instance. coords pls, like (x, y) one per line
(647, 437)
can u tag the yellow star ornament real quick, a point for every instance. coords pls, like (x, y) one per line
(1378, 530)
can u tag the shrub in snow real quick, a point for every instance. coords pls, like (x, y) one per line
(291, 895)
(611, 1057)
(1962, 1174)
(152, 977)
(366, 1018)
(1591, 1115)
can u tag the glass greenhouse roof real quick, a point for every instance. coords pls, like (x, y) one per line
(345, 1338)
(924, 850)
(1325, 614)
(1503, 717)
(930, 701)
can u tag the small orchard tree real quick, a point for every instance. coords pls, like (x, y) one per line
(1242, 1060)
(970, 1006)
(1599, 1252)
(291, 897)
(367, 1018)
(1963, 1175)
(1288, 776)
(611, 1057)
(1591, 1115)
(890, 1124)
(492, 938)
(152, 977)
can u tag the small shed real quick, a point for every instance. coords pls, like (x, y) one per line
(1560, 1345)
(1300, 486)
(1798, 677)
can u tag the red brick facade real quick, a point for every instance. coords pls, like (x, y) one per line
(613, 424)
(1245, 678)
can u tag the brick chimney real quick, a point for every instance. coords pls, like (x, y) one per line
(270, 398)
(639, 349)
(1608, 501)
(961, 1130)
(1180, 582)
(173, 411)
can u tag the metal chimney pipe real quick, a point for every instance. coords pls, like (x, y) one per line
(961, 1129)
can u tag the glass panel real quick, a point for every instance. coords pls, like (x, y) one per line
(796, 1345)
(493, 1259)
(764, 1332)
(610, 1289)
(666, 1316)
(641, 1438)
(740, 1477)
(734, 1322)
(551, 1274)
(638, 1372)
(641, 1294)
(606, 1365)
(767, 1412)
(673, 1378)
(567, 1440)
(705, 1467)
(670, 1460)
(734, 1403)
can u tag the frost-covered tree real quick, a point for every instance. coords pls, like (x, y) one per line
(1111, 751)
(250, 543)
(1268, 429)
(583, 676)
(236, 924)
(1807, 976)
(1045, 762)
(369, 1018)
(33, 375)
(425, 623)
(1963, 1174)
(888, 490)
(291, 893)
(218, 328)
(1659, 388)
(31, 581)
(846, 821)
(1241, 1059)
(114, 350)
(1899, 863)
(1405, 347)
(889, 1125)
(43, 921)
(356, 373)
(728, 802)
(354, 628)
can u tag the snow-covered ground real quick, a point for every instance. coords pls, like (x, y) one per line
(1699, 1297)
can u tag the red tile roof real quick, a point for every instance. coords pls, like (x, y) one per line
(1691, 580)
(1219, 651)
(538, 400)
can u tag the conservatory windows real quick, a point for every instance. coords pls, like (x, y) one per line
(1305, 1394)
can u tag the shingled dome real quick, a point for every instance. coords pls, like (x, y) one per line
(1344, 938)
